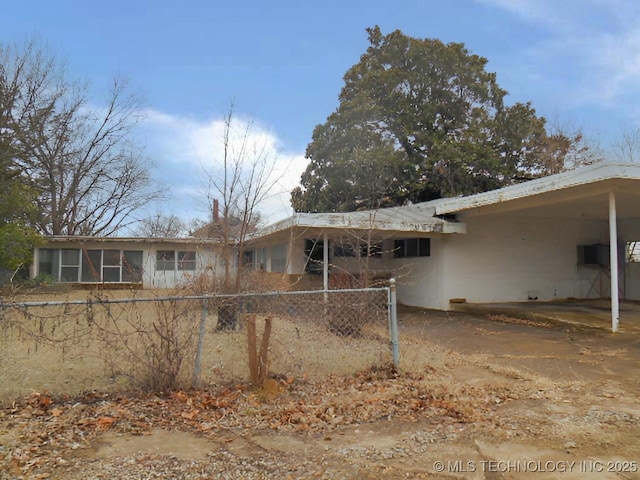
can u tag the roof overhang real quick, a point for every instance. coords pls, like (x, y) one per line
(85, 239)
(407, 221)
(578, 193)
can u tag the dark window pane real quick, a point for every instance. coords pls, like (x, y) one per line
(91, 265)
(111, 274)
(343, 250)
(424, 247)
(132, 266)
(412, 247)
(49, 262)
(314, 252)
(111, 257)
(186, 260)
(399, 250)
(373, 249)
(69, 274)
(70, 256)
(166, 260)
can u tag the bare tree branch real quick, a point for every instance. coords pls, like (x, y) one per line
(89, 175)
(240, 180)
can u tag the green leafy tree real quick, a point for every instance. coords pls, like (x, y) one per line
(417, 120)
(17, 214)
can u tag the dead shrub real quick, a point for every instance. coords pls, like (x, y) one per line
(151, 343)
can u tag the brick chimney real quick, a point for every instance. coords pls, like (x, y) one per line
(216, 211)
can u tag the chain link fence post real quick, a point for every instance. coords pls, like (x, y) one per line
(393, 323)
(197, 367)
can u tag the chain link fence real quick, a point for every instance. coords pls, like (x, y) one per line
(104, 342)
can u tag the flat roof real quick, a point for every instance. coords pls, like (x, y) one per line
(90, 239)
(417, 218)
(590, 174)
(427, 217)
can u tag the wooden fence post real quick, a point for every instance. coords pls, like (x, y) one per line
(264, 351)
(252, 349)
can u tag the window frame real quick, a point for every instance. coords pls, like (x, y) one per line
(412, 247)
(188, 264)
(163, 263)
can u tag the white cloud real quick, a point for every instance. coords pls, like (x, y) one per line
(185, 150)
(598, 39)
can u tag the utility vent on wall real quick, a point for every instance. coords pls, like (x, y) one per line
(595, 254)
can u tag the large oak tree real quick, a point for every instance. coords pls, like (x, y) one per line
(417, 120)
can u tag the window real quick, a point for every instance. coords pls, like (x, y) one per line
(261, 258)
(343, 250)
(49, 262)
(69, 265)
(632, 252)
(247, 258)
(165, 260)
(111, 265)
(279, 258)
(186, 260)
(132, 266)
(596, 254)
(373, 249)
(314, 252)
(91, 266)
(412, 247)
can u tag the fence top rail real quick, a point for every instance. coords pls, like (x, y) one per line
(100, 301)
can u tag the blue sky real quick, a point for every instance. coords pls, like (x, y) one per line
(281, 63)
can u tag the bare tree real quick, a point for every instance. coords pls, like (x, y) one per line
(240, 179)
(627, 149)
(81, 160)
(161, 226)
(565, 148)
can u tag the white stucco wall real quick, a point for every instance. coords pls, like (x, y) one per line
(296, 256)
(510, 258)
(207, 259)
(419, 280)
(207, 262)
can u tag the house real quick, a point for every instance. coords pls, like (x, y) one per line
(118, 261)
(561, 236)
(570, 235)
(137, 262)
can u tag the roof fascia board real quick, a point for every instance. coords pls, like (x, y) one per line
(598, 172)
(90, 239)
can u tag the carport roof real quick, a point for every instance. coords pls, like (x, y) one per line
(415, 219)
(592, 181)
(589, 182)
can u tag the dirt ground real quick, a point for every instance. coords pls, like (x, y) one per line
(479, 397)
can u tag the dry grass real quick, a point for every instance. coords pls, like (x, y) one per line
(111, 347)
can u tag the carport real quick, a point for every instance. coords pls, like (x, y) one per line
(582, 313)
(605, 194)
(561, 237)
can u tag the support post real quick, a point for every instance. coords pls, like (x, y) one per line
(197, 368)
(393, 323)
(263, 368)
(325, 276)
(252, 349)
(613, 261)
(325, 262)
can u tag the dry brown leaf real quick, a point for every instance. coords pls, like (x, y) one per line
(180, 396)
(190, 415)
(56, 412)
(105, 422)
